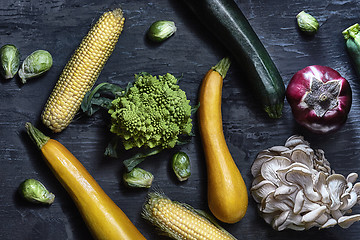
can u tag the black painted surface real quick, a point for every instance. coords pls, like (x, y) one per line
(58, 26)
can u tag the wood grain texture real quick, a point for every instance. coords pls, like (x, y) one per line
(59, 25)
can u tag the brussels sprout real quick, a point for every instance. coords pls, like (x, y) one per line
(10, 61)
(161, 30)
(34, 191)
(35, 64)
(307, 23)
(181, 166)
(138, 178)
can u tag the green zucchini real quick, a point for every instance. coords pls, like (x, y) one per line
(224, 19)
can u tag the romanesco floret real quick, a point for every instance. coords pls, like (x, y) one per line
(153, 113)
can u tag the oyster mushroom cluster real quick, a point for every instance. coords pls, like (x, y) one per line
(295, 188)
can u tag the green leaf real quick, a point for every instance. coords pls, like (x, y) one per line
(195, 108)
(112, 149)
(180, 78)
(183, 139)
(126, 90)
(140, 157)
(100, 97)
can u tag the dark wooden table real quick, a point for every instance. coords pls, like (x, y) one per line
(58, 26)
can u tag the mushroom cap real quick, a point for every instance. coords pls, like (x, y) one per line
(347, 221)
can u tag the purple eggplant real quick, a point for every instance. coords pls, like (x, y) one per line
(320, 98)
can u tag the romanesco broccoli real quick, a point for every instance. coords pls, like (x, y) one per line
(153, 113)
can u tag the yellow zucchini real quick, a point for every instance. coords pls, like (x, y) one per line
(103, 217)
(227, 193)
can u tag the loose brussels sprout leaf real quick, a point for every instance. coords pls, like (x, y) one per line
(138, 178)
(34, 191)
(10, 61)
(35, 64)
(181, 166)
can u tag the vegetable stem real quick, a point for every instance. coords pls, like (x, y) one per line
(222, 67)
(274, 111)
(93, 92)
(353, 32)
(36, 135)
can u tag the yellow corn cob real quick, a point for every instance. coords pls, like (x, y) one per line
(180, 221)
(82, 70)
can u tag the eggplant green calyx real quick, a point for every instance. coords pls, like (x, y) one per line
(34, 191)
(307, 23)
(10, 61)
(161, 30)
(323, 96)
